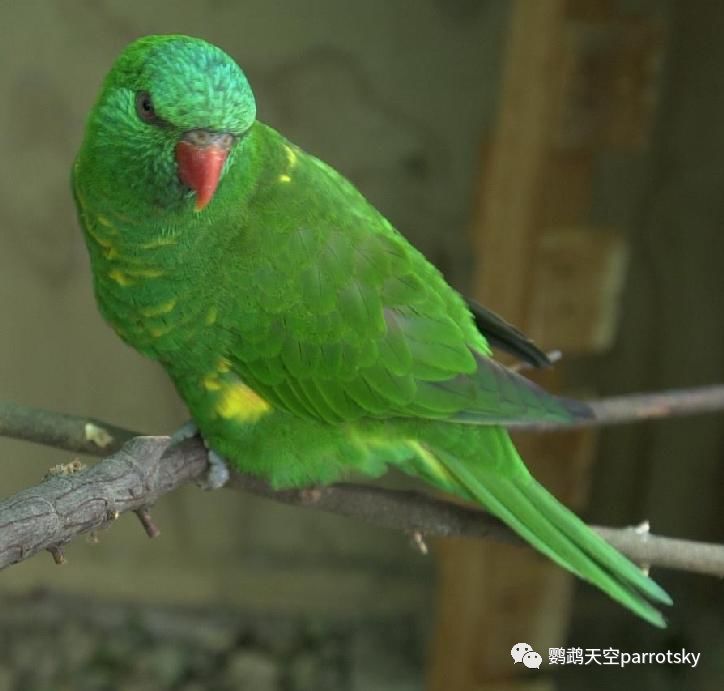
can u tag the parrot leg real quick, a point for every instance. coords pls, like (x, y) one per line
(218, 473)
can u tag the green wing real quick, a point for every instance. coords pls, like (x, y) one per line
(344, 319)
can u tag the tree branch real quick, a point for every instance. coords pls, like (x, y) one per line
(51, 514)
(61, 431)
(47, 516)
(91, 436)
(638, 407)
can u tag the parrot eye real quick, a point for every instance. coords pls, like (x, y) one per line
(145, 109)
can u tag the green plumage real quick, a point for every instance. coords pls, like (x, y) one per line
(306, 336)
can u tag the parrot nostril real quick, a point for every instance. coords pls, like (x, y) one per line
(203, 138)
(226, 140)
(197, 137)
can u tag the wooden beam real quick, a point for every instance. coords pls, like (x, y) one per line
(579, 81)
(529, 103)
(486, 591)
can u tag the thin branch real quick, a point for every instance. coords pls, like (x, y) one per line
(61, 431)
(49, 515)
(667, 552)
(638, 407)
(97, 438)
(422, 514)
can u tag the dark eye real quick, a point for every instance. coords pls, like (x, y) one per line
(144, 107)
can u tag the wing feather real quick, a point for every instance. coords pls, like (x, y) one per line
(346, 320)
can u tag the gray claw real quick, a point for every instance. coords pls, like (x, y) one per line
(186, 431)
(218, 473)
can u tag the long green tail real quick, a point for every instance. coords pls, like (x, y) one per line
(540, 519)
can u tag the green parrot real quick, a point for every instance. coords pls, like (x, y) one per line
(307, 337)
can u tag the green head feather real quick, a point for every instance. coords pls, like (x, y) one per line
(158, 89)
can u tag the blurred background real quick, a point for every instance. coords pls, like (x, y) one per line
(559, 160)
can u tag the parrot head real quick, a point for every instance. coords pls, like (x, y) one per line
(167, 123)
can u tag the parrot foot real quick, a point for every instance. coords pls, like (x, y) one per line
(218, 473)
(186, 431)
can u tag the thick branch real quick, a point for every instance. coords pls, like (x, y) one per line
(51, 514)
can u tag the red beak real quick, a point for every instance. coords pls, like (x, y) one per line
(200, 157)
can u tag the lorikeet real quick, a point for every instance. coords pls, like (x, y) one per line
(307, 337)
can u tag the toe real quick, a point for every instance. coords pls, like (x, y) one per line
(186, 431)
(218, 473)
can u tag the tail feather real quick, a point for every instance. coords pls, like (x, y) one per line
(558, 533)
(609, 556)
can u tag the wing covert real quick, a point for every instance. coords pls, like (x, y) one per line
(340, 318)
